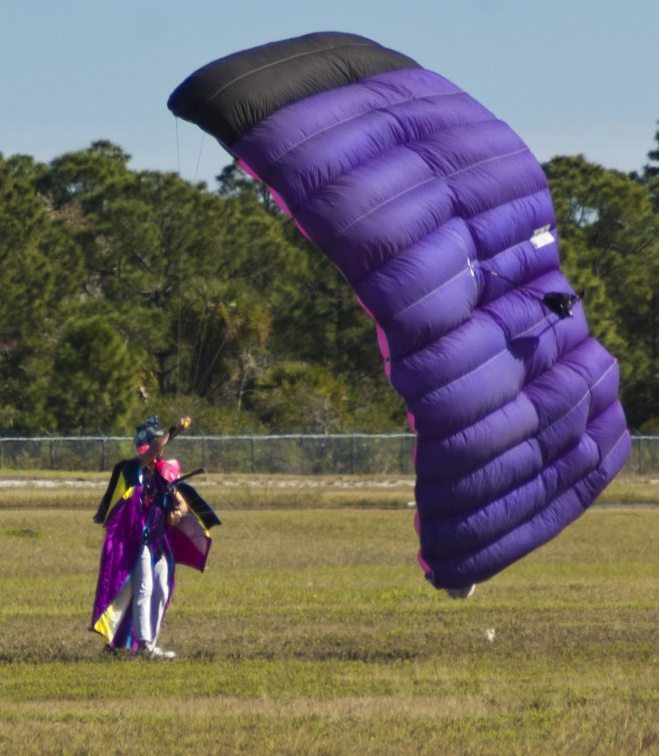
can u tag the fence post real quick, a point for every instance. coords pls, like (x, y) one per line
(352, 454)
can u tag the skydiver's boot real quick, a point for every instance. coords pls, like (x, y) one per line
(148, 650)
(155, 652)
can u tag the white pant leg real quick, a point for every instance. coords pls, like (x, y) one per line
(160, 595)
(142, 593)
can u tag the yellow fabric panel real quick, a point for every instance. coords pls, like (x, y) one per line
(109, 621)
(120, 492)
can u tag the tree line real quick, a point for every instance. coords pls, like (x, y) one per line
(127, 293)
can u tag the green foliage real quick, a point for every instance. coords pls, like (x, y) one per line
(293, 393)
(41, 270)
(95, 378)
(220, 305)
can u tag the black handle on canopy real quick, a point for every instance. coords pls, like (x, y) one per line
(190, 474)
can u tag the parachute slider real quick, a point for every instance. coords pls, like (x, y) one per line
(559, 303)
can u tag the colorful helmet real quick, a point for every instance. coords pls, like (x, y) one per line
(145, 434)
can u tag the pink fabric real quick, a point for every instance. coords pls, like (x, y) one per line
(169, 469)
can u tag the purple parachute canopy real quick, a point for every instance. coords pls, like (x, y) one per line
(441, 220)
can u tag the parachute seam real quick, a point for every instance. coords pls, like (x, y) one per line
(401, 357)
(475, 244)
(461, 377)
(589, 392)
(540, 511)
(306, 53)
(556, 420)
(443, 285)
(508, 491)
(541, 322)
(524, 481)
(613, 448)
(511, 247)
(546, 462)
(524, 390)
(472, 233)
(382, 109)
(342, 231)
(532, 327)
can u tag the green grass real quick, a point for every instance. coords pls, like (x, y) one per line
(82, 490)
(313, 632)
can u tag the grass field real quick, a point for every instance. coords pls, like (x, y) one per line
(313, 632)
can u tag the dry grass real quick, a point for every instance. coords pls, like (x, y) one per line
(82, 490)
(313, 632)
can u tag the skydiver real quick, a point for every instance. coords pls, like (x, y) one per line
(136, 576)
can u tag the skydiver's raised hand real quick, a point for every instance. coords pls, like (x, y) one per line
(183, 423)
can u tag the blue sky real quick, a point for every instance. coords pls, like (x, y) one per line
(570, 76)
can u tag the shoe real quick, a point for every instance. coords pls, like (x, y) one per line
(155, 652)
(461, 593)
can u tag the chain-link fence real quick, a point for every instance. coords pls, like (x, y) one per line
(354, 454)
(294, 454)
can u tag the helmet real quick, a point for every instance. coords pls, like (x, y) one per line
(144, 434)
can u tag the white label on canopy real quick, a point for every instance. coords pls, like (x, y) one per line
(542, 237)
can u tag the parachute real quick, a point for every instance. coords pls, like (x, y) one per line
(441, 220)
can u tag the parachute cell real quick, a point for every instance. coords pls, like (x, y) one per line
(441, 220)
